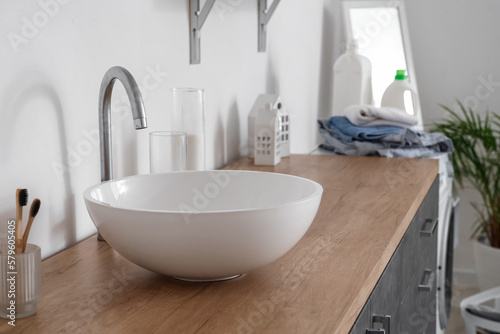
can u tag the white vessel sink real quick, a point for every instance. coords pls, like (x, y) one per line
(203, 225)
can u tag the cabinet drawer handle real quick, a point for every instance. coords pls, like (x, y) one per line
(429, 227)
(427, 281)
(385, 321)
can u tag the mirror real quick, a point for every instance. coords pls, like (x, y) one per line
(381, 31)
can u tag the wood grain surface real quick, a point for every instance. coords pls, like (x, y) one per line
(319, 286)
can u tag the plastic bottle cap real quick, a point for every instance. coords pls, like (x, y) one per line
(400, 75)
(352, 46)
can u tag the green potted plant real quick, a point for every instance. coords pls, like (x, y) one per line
(476, 162)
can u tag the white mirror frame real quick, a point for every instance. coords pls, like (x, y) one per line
(399, 5)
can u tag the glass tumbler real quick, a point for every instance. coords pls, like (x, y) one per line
(167, 151)
(188, 116)
(20, 282)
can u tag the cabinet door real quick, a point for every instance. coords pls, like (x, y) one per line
(427, 274)
(386, 297)
(406, 291)
(418, 307)
(363, 322)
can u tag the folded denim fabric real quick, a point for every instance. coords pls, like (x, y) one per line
(405, 143)
(349, 132)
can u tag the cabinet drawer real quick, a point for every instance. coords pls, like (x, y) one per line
(387, 295)
(429, 226)
(418, 307)
(421, 236)
(415, 255)
(363, 322)
(413, 264)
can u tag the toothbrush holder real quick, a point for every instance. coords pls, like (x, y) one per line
(20, 281)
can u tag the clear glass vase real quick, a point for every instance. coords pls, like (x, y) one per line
(189, 117)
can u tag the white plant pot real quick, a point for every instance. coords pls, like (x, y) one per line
(487, 261)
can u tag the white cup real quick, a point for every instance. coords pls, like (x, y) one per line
(167, 151)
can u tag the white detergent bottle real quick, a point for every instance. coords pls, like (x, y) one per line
(352, 80)
(400, 94)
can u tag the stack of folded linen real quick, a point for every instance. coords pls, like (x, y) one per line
(367, 130)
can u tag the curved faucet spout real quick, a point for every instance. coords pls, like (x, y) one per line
(138, 113)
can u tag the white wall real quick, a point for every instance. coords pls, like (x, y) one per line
(49, 87)
(456, 52)
(456, 55)
(53, 57)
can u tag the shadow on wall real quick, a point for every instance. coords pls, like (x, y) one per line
(227, 142)
(332, 45)
(272, 84)
(325, 101)
(219, 141)
(33, 137)
(125, 146)
(233, 141)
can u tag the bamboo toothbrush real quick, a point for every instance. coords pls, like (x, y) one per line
(35, 206)
(21, 200)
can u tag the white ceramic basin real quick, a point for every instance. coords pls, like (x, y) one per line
(203, 225)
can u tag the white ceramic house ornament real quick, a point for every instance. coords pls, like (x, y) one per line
(285, 130)
(259, 104)
(267, 137)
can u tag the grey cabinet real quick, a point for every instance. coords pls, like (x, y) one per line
(404, 298)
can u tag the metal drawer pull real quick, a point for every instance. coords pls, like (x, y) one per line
(385, 321)
(429, 231)
(428, 278)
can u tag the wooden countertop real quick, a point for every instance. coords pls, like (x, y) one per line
(320, 286)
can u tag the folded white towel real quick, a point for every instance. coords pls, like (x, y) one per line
(366, 115)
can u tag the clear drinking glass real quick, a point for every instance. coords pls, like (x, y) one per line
(188, 116)
(20, 282)
(167, 151)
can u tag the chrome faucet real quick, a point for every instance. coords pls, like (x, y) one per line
(138, 114)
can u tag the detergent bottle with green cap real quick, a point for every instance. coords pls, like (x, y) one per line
(401, 94)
